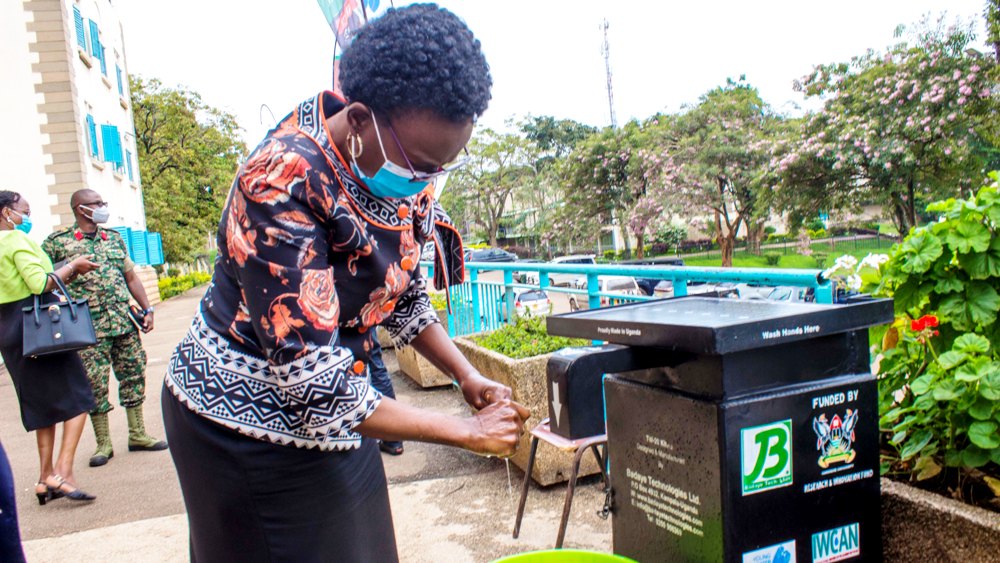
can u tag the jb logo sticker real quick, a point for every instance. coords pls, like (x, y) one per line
(766, 453)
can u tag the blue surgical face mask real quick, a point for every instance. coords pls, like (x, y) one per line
(25, 225)
(391, 180)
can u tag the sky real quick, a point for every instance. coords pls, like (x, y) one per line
(545, 55)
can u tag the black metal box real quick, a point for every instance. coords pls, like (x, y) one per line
(738, 431)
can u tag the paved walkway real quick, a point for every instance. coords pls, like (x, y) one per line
(448, 505)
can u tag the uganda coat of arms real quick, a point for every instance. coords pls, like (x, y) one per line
(835, 438)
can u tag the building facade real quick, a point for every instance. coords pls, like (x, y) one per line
(66, 111)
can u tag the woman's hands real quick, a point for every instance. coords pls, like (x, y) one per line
(497, 429)
(500, 420)
(78, 266)
(83, 264)
(480, 391)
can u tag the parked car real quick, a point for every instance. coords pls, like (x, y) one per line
(754, 291)
(792, 294)
(558, 279)
(665, 289)
(527, 302)
(490, 255)
(648, 285)
(427, 254)
(617, 285)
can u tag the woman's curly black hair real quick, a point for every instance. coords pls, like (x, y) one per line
(417, 57)
(8, 199)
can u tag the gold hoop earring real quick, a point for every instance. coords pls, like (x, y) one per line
(354, 145)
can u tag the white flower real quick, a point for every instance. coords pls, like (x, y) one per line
(854, 282)
(847, 262)
(873, 261)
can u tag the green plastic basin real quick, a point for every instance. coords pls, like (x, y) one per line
(564, 556)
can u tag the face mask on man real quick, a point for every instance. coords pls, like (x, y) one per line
(391, 180)
(99, 215)
(25, 225)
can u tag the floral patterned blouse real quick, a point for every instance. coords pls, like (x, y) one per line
(309, 263)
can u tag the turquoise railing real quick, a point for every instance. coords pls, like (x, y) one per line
(479, 304)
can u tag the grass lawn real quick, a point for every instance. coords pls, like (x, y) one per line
(742, 260)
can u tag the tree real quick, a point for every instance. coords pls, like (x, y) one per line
(992, 14)
(554, 140)
(500, 162)
(898, 128)
(601, 182)
(188, 153)
(722, 148)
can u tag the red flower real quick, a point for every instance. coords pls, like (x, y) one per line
(923, 323)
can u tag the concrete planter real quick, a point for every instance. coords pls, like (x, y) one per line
(421, 371)
(415, 366)
(384, 340)
(526, 378)
(921, 526)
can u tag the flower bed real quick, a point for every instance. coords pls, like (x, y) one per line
(939, 372)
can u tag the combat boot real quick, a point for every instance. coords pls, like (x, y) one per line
(138, 440)
(103, 434)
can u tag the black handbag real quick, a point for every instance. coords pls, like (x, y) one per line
(60, 326)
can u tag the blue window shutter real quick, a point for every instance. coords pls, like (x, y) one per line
(81, 35)
(104, 61)
(139, 251)
(128, 165)
(95, 39)
(92, 135)
(154, 248)
(112, 144)
(118, 73)
(125, 232)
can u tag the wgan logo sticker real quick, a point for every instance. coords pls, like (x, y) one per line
(781, 553)
(836, 544)
(767, 456)
(835, 438)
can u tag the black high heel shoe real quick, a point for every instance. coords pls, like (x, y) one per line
(76, 494)
(49, 494)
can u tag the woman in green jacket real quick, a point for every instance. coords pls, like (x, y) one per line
(53, 388)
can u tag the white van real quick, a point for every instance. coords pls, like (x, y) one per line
(558, 279)
(617, 285)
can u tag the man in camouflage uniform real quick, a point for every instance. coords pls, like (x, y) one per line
(118, 345)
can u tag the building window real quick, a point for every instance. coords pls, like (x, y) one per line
(128, 165)
(96, 47)
(92, 136)
(81, 34)
(112, 145)
(121, 87)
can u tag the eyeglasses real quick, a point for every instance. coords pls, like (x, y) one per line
(428, 176)
(93, 204)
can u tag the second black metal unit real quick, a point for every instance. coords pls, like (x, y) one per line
(738, 431)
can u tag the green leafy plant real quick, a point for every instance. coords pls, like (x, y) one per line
(438, 300)
(174, 285)
(772, 258)
(939, 376)
(525, 338)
